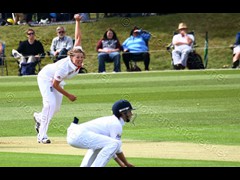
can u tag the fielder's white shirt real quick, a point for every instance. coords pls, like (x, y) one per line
(60, 70)
(109, 126)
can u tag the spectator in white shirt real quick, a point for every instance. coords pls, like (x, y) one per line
(183, 44)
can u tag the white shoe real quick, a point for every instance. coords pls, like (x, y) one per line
(16, 54)
(44, 141)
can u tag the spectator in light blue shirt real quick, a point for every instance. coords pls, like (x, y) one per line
(136, 48)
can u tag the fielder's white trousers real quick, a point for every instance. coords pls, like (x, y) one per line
(52, 101)
(101, 148)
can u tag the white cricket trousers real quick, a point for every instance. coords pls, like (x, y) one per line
(181, 56)
(52, 101)
(101, 148)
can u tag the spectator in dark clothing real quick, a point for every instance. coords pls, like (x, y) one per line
(30, 50)
(108, 48)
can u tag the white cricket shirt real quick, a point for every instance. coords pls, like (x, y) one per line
(60, 70)
(109, 126)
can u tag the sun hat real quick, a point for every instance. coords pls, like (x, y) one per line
(182, 26)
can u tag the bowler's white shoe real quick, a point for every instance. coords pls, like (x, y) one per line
(44, 141)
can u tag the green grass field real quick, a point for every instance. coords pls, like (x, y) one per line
(200, 107)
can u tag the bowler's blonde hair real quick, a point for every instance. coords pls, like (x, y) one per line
(73, 51)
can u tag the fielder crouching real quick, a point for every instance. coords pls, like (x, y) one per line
(102, 136)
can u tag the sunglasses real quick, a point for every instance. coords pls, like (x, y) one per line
(30, 33)
(61, 32)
